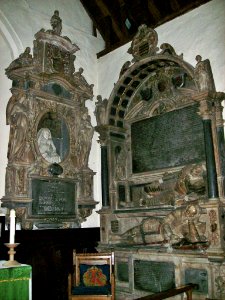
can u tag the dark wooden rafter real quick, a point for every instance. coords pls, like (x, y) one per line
(153, 10)
(175, 5)
(110, 17)
(94, 17)
(108, 12)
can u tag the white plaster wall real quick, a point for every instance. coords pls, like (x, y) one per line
(19, 21)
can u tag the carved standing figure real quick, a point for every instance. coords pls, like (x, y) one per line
(100, 110)
(85, 139)
(203, 75)
(18, 148)
(56, 23)
(24, 59)
(46, 146)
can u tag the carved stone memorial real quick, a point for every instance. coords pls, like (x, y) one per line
(162, 151)
(48, 180)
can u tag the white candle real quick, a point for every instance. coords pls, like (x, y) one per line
(12, 226)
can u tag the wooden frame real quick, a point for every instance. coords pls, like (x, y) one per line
(90, 259)
(2, 226)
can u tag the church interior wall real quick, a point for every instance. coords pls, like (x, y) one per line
(201, 32)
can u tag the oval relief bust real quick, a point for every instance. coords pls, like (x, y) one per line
(53, 138)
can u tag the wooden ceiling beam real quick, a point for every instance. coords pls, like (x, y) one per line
(154, 11)
(115, 20)
(93, 18)
(174, 5)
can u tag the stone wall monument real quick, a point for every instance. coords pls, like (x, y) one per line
(48, 180)
(162, 147)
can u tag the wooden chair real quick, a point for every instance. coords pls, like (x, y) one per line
(93, 277)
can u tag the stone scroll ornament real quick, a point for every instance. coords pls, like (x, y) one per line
(50, 133)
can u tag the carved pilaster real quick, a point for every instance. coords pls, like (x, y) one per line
(215, 228)
(105, 225)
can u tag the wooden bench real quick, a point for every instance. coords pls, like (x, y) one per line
(172, 292)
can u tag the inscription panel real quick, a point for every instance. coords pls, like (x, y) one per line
(123, 271)
(53, 196)
(172, 139)
(153, 276)
(198, 276)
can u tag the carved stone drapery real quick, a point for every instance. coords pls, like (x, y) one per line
(50, 134)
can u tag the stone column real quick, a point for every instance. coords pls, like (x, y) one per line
(205, 110)
(103, 138)
(214, 207)
(104, 176)
(219, 123)
(105, 211)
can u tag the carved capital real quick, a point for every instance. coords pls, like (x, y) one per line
(218, 98)
(205, 100)
(103, 134)
(83, 213)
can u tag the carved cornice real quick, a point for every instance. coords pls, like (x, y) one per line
(62, 42)
(205, 100)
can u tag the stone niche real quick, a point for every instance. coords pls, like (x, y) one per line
(162, 147)
(48, 180)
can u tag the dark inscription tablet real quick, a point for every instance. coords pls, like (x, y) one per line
(154, 276)
(53, 197)
(122, 271)
(198, 276)
(172, 139)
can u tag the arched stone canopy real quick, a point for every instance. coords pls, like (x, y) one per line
(133, 79)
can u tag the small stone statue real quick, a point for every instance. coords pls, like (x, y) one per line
(100, 110)
(56, 23)
(24, 59)
(203, 75)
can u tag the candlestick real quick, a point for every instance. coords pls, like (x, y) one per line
(11, 262)
(12, 217)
